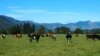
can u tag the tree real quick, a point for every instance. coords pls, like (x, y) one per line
(15, 29)
(41, 30)
(96, 31)
(28, 28)
(4, 31)
(78, 30)
(57, 30)
(62, 30)
(50, 31)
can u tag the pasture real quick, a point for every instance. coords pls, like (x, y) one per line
(80, 46)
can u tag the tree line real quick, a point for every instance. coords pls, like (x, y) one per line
(19, 28)
(26, 28)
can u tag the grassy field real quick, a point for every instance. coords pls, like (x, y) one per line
(48, 47)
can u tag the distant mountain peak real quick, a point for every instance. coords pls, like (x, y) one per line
(84, 21)
(6, 21)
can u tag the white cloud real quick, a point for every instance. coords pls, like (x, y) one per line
(13, 7)
(29, 11)
(15, 15)
(41, 16)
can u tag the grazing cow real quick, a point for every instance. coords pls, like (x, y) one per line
(77, 34)
(3, 36)
(93, 36)
(46, 35)
(37, 37)
(90, 36)
(18, 35)
(51, 35)
(96, 37)
(34, 37)
(42, 35)
(68, 37)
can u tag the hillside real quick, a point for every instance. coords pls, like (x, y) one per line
(84, 25)
(80, 24)
(6, 22)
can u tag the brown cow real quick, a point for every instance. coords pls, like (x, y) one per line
(18, 35)
(51, 35)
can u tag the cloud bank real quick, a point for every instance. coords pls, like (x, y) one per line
(45, 16)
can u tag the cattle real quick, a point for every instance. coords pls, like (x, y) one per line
(93, 36)
(37, 37)
(42, 35)
(3, 36)
(46, 34)
(90, 36)
(18, 35)
(51, 35)
(34, 36)
(77, 35)
(68, 37)
(31, 36)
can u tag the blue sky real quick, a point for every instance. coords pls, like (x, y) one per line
(51, 11)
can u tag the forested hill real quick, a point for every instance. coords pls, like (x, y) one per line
(6, 22)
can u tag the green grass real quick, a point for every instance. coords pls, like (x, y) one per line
(79, 46)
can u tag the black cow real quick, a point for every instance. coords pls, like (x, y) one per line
(68, 37)
(37, 37)
(93, 36)
(90, 36)
(46, 35)
(34, 37)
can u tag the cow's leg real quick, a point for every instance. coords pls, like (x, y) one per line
(38, 38)
(30, 40)
(93, 38)
(70, 39)
(34, 37)
(67, 40)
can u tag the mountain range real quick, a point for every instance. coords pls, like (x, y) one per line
(6, 22)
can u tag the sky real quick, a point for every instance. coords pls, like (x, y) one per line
(51, 11)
